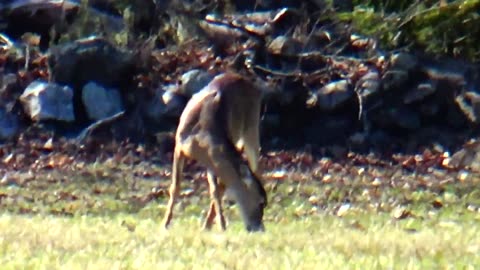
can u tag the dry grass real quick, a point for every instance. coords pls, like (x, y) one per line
(98, 219)
(325, 241)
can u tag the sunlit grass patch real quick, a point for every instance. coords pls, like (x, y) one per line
(105, 217)
(125, 241)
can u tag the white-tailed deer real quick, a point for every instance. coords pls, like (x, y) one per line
(217, 125)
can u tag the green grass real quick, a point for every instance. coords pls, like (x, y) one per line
(105, 217)
(128, 242)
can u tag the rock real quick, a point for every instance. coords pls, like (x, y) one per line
(9, 90)
(48, 101)
(334, 94)
(328, 129)
(397, 75)
(403, 61)
(467, 157)
(284, 45)
(368, 84)
(174, 104)
(256, 5)
(408, 119)
(221, 35)
(453, 73)
(397, 117)
(164, 104)
(7, 81)
(43, 17)
(23, 16)
(422, 90)
(429, 109)
(393, 79)
(261, 23)
(152, 112)
(282, 54)
(455, 118)
(8, 125)
(380, 139)
(193, 81)
(358, 138)
(91, 59)
(362, 42)
(469, 104)
(101, 102)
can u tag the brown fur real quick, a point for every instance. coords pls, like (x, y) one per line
(216, 126)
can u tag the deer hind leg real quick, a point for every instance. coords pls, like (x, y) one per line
(178, 162)
(216, 194)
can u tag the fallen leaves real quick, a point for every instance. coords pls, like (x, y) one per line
(66, 179)
(437, 204)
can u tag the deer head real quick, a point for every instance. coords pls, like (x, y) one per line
(219, 124)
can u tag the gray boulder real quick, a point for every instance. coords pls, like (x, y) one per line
(90, 59)
(101, 102)
(165, 103)
(8, 125)
(334, 94)
(48, 101)
(193, 81)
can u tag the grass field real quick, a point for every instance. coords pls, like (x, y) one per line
(105, 217)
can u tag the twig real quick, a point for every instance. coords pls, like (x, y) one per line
(102, 122)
